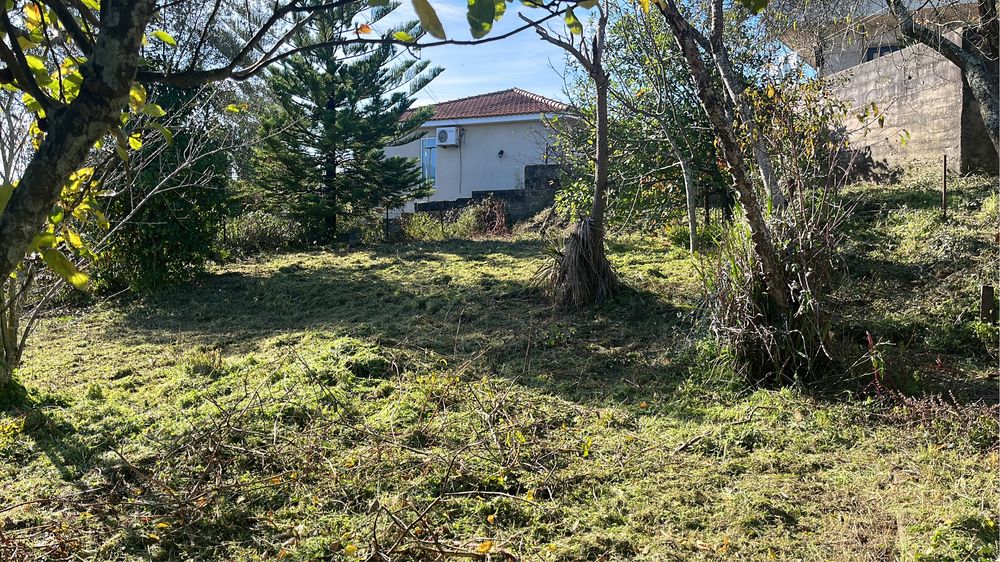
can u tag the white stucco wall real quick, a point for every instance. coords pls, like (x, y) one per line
(474, 164)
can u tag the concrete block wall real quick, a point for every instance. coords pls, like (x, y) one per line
(920, 92)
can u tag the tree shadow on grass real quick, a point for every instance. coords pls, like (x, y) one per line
(36, 416)
(630, 349)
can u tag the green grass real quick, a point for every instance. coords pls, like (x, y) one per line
(425, 397)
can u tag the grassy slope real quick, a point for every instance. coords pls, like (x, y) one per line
(417, 397)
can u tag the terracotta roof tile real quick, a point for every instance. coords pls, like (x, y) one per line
(495, 104)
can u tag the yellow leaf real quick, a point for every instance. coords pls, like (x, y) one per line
(165, 37)
(429, 18)
(644, 4)
(350, 550)
(484, 547)
(162, 525)
(32, 16)
(491, 519)
(402, 36)
(137, 96)
(530, 496)
(154, 537)
(74, 240)
(64, 268)
(135, 141)
(573, 23)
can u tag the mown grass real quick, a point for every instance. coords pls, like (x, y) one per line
(424, 398)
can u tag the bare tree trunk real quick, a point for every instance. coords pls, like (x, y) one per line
(600, 159)
(583, 274)
(8, 333)
(690, 189)
(975, 67)
(73, 129)
(774, 278)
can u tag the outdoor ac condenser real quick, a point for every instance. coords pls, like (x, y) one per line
(447, 136)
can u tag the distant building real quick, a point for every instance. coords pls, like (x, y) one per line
(929, 110)
(481, 144)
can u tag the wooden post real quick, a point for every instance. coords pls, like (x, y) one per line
(987, 304)
(944, 188)
(387, 223)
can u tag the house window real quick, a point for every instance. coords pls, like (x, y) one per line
(879, 51)
(428, 158)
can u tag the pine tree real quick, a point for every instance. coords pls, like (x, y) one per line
(336, 109)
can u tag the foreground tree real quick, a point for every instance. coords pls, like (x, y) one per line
(582, 273)
(693, 46)
(322, 157)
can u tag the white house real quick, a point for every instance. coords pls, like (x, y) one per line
(481, 143)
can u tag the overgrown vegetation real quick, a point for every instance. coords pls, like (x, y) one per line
(266, 411)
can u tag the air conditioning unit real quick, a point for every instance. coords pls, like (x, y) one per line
(447, 136)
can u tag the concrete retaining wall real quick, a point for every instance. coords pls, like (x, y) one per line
(922, 94)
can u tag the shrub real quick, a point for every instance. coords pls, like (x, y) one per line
(256, 232)
(770, 350)
(363, 228)
(798, 119)
(488, 217)
(423, 226)
(170, 238)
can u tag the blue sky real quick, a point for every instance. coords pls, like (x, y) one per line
(522, 61)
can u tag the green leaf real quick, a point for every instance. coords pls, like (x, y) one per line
(402, 36)
(233, 108)
(378, 3)
(153, 110)
(165, 132)
(755, 6)
(92, 4)
(36, 64)
(574, 25)
(590, 4)
(43, 241)
(25, 43)
(122, 153)
(135, 141)
(64, 268)
(480, 17)
(165, 37)
(31, 103)
(429, 18)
